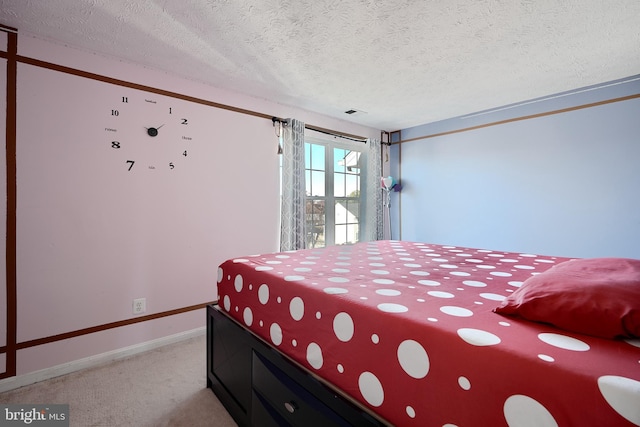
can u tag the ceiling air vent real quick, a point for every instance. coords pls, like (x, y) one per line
(351, 111)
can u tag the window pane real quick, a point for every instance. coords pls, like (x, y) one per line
(338, 185)
(352, 185)
(315, 218)
(353, 233)
(317, 184)
(317, 157)
(341, 234)
(353, 209)
(339, 160)
(307, 155)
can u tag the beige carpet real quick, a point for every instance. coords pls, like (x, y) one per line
(161, 387)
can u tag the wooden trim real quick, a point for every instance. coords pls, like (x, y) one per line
(124, 83)
(10, 262)
(517, 119)
(107, 326)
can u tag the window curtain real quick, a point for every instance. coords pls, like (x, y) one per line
(375, 214)
(292, 222)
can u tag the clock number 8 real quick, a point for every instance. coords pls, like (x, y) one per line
(115, 144)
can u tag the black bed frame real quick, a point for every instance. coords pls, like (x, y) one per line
(261, 387)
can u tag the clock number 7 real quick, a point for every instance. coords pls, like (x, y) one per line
(131, 164)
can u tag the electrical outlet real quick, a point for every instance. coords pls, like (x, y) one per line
(139, 305)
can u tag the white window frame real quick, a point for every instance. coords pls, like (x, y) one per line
(330, 199)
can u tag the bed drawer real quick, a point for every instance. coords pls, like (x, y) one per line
(274, 391)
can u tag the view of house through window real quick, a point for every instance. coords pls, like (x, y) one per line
(333, 179)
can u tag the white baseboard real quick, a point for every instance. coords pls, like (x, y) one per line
(91, 361)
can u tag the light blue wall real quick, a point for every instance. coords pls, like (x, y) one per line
(565, 184)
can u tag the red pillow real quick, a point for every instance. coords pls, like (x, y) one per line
(596, 296)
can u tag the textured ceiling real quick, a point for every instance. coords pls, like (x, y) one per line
(400, 62)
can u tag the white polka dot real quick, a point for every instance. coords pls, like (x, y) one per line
(294, 343)
(314, 355)
(335, 291)
(240, 260)
(473, 260)
(343, 326)
(375, 338)
(371, 389)
(220, 274)
(515, 283)
(413, 359)
(623, 395)
(474, 283)
(392, 308)
(384, 281)
(411, 412)
(448, 266)
(302, 269)
(429, 282)
(501, 274)
(520, 410)
(478, 337)
(283, 256)
(263, 294)
(492, 297)
(237, 283)
(456, 311)
(460, 273)
(274, 262)
(504, 323)
(524, 267)
(564, 342)
(318, 315)
(413, 265)
(440, 294)
(296, 308)
(338, 279)
(226, 302)
(464, 383)
(263, 268)
(419, 273)
(388, 292)
(247, 316)
(293, 278)
(340, 368)
(276, 334)
(379, 272)
(546, 358)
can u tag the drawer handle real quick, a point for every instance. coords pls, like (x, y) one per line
(290, 406)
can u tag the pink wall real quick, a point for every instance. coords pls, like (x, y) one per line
(93, 235)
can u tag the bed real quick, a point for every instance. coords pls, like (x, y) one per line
(417, 334)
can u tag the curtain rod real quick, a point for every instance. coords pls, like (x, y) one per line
(351, 137)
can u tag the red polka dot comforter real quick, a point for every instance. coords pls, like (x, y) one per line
(408, 330)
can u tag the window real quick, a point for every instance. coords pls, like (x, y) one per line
(334, 196)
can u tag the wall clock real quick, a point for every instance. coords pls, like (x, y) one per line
(148, 132)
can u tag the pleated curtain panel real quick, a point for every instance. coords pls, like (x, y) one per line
(292, 222)
(373, 208)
